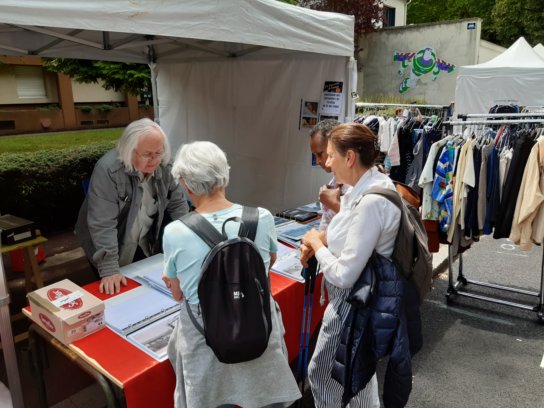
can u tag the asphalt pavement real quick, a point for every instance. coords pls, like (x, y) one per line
(478, 353)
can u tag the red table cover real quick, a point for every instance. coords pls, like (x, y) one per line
(149, 383)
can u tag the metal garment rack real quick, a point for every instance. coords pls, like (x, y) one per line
(501, 115)
(459, 287)
(443, 108)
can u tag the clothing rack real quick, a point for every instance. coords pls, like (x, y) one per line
(492, 122)
(400, 105)
(499, 115)
(459, 288)
(443, 109)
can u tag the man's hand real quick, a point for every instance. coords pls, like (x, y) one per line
(330, 197)
(112, 284)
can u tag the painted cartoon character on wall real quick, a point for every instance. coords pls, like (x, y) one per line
(422, 62)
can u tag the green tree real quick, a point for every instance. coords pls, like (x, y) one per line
(121, 77)
(366, 12)
(514, 18)
(428, 11)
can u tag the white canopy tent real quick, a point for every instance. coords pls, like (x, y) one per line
(515, 76)
(234, 72)
(539, 49)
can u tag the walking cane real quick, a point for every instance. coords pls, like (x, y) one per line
(309, 274)
(312, 272)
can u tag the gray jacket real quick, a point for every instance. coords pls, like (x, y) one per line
(112, 204)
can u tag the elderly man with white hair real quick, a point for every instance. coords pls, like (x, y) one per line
(201, 379)
(130, 193)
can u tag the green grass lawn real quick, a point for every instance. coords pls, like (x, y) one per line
(55, 141)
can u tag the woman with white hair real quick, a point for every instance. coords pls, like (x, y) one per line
(130, 192)
(202, 380)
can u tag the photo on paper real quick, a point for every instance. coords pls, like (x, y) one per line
(153, 339)
(308, 117)
(333, 86)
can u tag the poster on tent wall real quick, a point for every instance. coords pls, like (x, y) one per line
(308, 114)
(331, 100)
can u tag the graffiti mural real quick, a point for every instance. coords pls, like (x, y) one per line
(420, 63)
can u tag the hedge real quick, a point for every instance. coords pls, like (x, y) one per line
(46, 186)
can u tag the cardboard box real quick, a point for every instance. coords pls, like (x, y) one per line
(15, 229)
(67, 311)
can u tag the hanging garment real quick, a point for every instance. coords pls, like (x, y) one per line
(523, 144)
(464, 176)
(482, 186)
(492, 191)
(443, 186)
(404, 135)
(471, 215)
(528, 220)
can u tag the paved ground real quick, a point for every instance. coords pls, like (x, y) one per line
(476, 354)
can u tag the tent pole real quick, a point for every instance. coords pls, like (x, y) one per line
(351, 89)
(154, 92)
(7, 343)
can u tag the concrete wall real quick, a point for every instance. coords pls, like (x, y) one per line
(453, 42)
(488, 51)
(93, 93)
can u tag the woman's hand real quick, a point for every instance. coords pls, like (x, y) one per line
(174, 286)
(112, 284)
(306, 252)
(330, 197)
(310, 244)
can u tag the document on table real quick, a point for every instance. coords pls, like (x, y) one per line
(288, 263)
(153, 278)
(143, 316)
(296, 231)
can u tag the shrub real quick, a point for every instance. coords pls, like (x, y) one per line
(104, 108)
(85, 108)
(46, 186)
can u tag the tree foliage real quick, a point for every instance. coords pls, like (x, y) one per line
(121, 77)
(367, 13)
(503, 21)
(513, 19)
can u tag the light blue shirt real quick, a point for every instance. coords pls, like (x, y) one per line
(184, 251)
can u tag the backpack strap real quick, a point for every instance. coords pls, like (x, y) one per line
(391, 195)
(202, 227)
(250, 219)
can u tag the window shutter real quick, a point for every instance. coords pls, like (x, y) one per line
(30, 82)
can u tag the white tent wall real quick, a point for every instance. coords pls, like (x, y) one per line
(515, 76)
(251, 109)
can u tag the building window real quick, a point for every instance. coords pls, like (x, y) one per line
(30, 82)
(388, 16)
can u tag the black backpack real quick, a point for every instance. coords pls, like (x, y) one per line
(411, 254)
(233, 290)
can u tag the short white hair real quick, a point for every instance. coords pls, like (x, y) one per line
(132, 135)
(202, 166)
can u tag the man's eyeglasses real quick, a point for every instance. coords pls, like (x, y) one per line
(150, 156)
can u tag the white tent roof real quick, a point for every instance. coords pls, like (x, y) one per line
(515, 76)
(169, 30)
(539, 49)
(520, 55)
